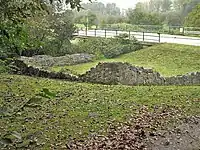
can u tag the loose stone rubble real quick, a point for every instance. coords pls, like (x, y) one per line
(113, 73)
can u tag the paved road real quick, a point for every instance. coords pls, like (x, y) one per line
(148, 37)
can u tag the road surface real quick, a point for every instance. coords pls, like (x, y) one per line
(148, 37)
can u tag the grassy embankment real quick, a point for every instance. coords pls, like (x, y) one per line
(167, 59)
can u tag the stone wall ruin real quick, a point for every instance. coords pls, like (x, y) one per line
(126, 74)
(112, 73)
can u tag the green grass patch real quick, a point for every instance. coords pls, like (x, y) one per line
(3, 67)
(167, 59)
(79, 109)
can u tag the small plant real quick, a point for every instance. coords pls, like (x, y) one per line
(46, 93)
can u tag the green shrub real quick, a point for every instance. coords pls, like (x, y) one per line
(121, 49)
(91, 46)
(56, 48)
(122, 26)
(108, 48)
(80, 26)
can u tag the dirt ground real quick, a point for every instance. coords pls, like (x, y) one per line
(185, 136)
(163, 129)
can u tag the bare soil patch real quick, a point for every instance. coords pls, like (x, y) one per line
(164, 128)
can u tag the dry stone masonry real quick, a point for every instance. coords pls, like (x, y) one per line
(126, 74)
(112, 73)
(48, 61)
(19, 67)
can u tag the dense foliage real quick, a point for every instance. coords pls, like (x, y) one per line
(193, 18)
(99, 14)
(152, 16)
(168, 11)
(35, 27)
(108, 48)
(140, 17)
(58, 43)
(88, 19)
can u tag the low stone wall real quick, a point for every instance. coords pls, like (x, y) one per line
(19, 67)
(126, 74)
(111, 73)
(187, 79)
(43, 61)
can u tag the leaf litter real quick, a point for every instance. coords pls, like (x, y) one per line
(164, 128)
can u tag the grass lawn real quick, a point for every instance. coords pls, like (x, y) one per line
(79, 109)
(167, 59)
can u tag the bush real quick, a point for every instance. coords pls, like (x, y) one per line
(136, 28)
(121, 49)
(109, 48)
(80, 26)
(91, 46)
(122, 26)
(56, 48)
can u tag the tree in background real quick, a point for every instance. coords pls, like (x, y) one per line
(183, 7)
(193, 18)
(179, 4)
(101, 9)
(166, 5)
(95, 7)
(112, 9)
(189, 6)
(88, 19)
(170, 12)
(99, 14)
(139, 17)
(173, 18)
(155, 5)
